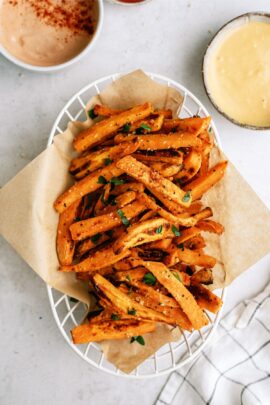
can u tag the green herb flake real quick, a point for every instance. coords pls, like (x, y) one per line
(126, 127)
(124, 219)
(159, 229)
(132, 311)
(95, 238)
(138, 339)
(181, 246)
(92, 114)
(102, 198)
(128, 278)
(149, 279)
(110, 233)
(108, 161)
(176, 231)
(186, 197)
(102, 180)
(176, 275)
(116, 181)
(115, 317)
(146, 127)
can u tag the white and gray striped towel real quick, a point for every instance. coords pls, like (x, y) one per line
(235, 368)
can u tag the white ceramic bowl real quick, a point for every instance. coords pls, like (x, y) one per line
(223, 31)
(70, 62)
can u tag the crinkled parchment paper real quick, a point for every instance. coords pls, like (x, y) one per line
(28, 221)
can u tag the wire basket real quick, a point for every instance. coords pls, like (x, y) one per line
(68, 313)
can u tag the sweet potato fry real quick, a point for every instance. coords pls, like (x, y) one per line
(177, 220)
(165, 169)
(168, 141)
(205, 298)
(191, 166)
(179, 292)
(101, 158)
(136, 274)
(162, 244)
(154, 181)
(143, 232)
(172, 160)
(100, 204)
(195, 125)
(65, 246)
(196, 258)
(125, 303)
(100, 259)
(203, 276)
(103, 130)
(202, 184)
(105, 111)
(151, 124)
(211, 226)
(119, 201)
(92, 226)
(195, 243)
(85, 186)
(106, 330)
(123, 188)
(150, 298)
(171, 259)
(187, 234)
(203, 214)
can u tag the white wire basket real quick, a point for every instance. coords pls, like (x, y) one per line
(68, 313)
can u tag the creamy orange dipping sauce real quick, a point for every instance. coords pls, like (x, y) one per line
(238, 74)
(47, 32)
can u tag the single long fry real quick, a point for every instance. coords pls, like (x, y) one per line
(82, 166)
(191, 166)
(143, 232)
(154, 181)
(196, 258)
(165, 169)
(202, 184)
(211, 226)
(65, 246)
(99, 260)
(106, 330)
(168, 141)
(125, 303)
(92, 226)
(205, 298)
(85, 186)
(187, 234)
(123, 188)
(179, 292)
(103, 130)
(195, 125)
(172, 160)
(105, 111)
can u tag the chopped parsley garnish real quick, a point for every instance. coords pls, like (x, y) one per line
(95, 238)
(116, 181)
(102, 198)
(142, 128)
(138, 339)
(73, 299)
(186, 197)
(159, 229)
(132, 311)
(176, 275)
(115, 317)
(108, 161)
(124, 219)
(126, 127)
(181, 246)
(176, 231)
(128, 278)
(109, 233)
(102, 180)
(92, 114)
(149, 279)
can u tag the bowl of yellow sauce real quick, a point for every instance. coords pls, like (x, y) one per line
(236, 70)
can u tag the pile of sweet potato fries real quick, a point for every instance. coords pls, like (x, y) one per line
(131, 225)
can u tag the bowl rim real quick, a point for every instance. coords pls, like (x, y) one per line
(210, 43)
(53, 68)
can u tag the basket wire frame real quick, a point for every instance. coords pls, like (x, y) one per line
(68, 313)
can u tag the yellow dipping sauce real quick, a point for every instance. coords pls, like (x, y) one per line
(238, 74)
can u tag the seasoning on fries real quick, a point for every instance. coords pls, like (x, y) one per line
(133, 223)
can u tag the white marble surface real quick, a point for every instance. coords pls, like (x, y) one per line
(164, 36)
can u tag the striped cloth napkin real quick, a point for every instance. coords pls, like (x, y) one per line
(235, 368)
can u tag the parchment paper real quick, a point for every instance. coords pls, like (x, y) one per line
(28, 221)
